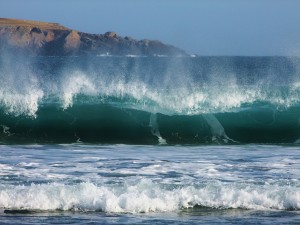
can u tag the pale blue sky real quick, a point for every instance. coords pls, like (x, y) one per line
(205, 27)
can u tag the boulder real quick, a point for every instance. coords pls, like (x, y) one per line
(72, 41)
(110, 34)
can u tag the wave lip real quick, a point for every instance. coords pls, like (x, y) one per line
(111, 99)
(146, 196)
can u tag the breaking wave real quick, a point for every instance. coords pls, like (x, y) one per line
(146, 196)
(113, 100)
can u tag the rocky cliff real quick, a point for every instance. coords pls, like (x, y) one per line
(52, 39)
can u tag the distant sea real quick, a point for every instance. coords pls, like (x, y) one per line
(149, 140)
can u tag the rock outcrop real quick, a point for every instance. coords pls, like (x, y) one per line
(52, 39)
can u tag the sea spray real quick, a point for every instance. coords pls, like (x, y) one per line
(196, 100)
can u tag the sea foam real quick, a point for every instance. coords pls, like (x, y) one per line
(147, 196)
(20, 95)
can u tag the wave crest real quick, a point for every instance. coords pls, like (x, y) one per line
(146, 196)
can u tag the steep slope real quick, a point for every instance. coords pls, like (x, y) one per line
(47, 39)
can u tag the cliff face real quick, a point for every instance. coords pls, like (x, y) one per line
(47, 39)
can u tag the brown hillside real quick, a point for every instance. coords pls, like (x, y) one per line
(51, 39)
(31, 23)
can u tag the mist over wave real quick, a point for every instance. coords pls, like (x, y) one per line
(209, 88)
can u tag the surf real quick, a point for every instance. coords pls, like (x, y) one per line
(155, 198)
(150, 100)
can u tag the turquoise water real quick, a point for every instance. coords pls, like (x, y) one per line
(150, 100)
(149, 140)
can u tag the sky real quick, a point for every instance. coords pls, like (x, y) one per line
(203, 27)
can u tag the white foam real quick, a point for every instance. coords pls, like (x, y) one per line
(175, 94)
(136, 56)
(20, 96)
(74, 84)
(216, 129)
(155, 129)
(146, 196)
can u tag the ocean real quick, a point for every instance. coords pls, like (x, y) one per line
(149, 140)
